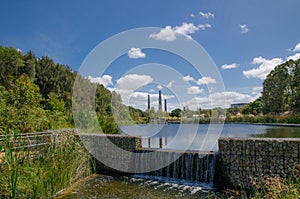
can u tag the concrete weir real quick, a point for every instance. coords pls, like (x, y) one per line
(124, 154)
(238, 159)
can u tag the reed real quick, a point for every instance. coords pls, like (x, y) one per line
(41, 174)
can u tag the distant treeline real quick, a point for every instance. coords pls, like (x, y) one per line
(36, 94)
(280, 99)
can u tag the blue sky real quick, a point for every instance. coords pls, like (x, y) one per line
(245, 40)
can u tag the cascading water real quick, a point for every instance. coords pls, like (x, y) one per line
(191, 166)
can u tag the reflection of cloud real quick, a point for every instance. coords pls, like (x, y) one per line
(265, 67)
(135, 53)
(105, 80)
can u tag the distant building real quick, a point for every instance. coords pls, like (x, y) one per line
(238, 105)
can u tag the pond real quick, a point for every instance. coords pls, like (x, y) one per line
(203, 137)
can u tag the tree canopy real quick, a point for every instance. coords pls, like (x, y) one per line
(36, 94)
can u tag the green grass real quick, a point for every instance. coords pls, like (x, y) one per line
(41, 174)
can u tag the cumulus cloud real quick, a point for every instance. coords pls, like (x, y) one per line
(170, 34)
(135, 53)
(229, 66)
(132, 82)
(204, 26)
(206, 80)
(105, 80)
(193, 90)
(139, 99)
(192, 15)
(207, 15)
(297, 48)
(293, 57)
(188, 78)
(159, 87)
(170, 84)
(265, 67)
(219, 99)
(244, 28)
(257, 91)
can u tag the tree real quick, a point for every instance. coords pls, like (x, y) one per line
(22, 111)
(254, 108)
(276, 91)
(176, 113)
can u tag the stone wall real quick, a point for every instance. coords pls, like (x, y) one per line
(240, 159)
(112, 153)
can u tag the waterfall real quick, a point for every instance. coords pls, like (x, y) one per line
(190, 166)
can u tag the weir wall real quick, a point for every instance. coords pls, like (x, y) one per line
(238, 160)
(243, 159)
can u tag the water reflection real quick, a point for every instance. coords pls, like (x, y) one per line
(197, 137)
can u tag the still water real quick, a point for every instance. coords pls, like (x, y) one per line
(203, 137)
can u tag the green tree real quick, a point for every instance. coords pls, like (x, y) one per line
(276, 90)
(22, 111)
(176, 113)
(254, 108)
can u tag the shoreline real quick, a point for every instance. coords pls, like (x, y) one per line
(266, 124)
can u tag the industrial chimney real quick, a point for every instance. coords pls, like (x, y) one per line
(159, 100)
(149, 102)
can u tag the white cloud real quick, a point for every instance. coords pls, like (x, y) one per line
(192, 15)
(135, 53)
(132, 82)
(207, 15)
(297, 48)
(128, 84)
(219, 99)
(257, 91)
(170, 34)
(244, 28)
(265, 67)
(229, 66)
(139, 99)
(105, 80)
(170, 84)
(159, 87)
(206, 80)
(194, 90)
(294, 57)
(188, 78)
(204, 26)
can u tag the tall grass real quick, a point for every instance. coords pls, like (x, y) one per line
(41, 174)
(270, 187)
